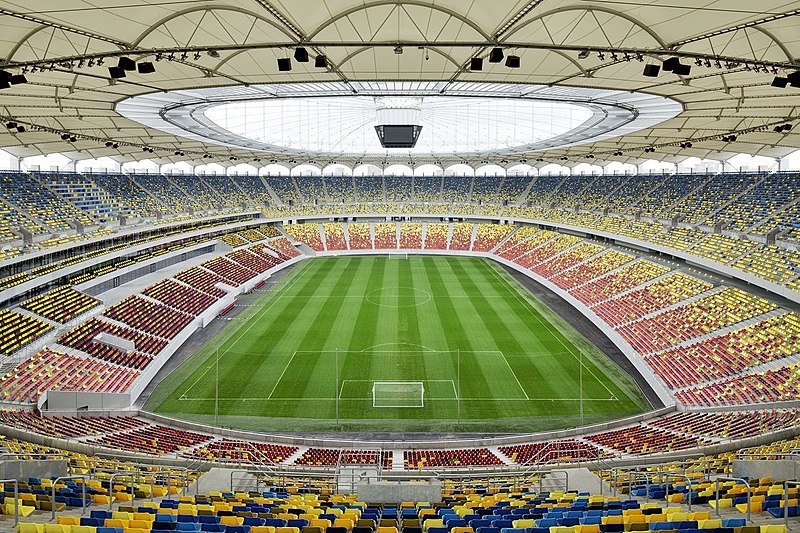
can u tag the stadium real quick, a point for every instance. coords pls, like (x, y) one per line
(399, 266)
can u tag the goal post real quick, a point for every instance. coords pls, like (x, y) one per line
(398, 394)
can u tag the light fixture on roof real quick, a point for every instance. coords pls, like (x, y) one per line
(11, 124)
(780, 82)
(513, 62)
(213, 53)
(127, 63)
(321, 61)
(398, 50)
(301, 55)
(284, 64)
(146, 67)
(116, 73)
(687, 144)
(729, 138)
(583, 54)
(496, 55)
(651, 71)
(476, 64)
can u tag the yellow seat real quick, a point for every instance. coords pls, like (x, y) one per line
(722, 503)
(562, 529)
(228, 520)
(136, 530)
(710, 523)
(262, 529)
(755, 507)
(28, 527)
(524, 522)
(588, 528)
(68, 520)
(773, 528)
(615, 519)
(57, 528)
(287, 530)
(84, 529)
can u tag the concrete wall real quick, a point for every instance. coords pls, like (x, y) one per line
(779, 470)
(400, 491)
(23, 469)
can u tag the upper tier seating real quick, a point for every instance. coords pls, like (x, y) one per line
(148, 316)
(699, 206)
(49, 369)
(724, 308)
(426, 189)
(179, 296)
(360, 237)
(650, 298)
(417, 459)
(27, 195)
(385, 236)
(369, 188)
(284, 187)
(228, 190)
(340, 189)
(170, 199)
(456, 189)
(620, 281)
(512, 188)
(18, 330)
(254, 190)
(721, 248)
(729, 354)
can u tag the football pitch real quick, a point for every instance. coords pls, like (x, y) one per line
(471, 349)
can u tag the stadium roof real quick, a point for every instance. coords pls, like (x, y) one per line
(735, 49)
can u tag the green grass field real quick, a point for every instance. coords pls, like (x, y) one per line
(489, 355)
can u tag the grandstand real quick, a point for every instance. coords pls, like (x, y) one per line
(237, 297)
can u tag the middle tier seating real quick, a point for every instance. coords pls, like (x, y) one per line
(591, 269)
(83, 336)
(180, 296)
(462, 236)
(233, 273)
(149, 317)
(488, 236)
(620, 281)
(410, 236)
(60, 305)
(18, 330)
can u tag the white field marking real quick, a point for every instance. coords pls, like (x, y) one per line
(362, 297)
(341, 389)
(401, 352)
(450, 398)
(547, 327)
(369, 348)
(515, 376)
(289, 362)
(264, 310)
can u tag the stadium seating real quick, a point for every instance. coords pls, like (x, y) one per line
(385, 236)
(410, 237)
(512, 248)
(729, 354)
(283, 248)
(83, 338)
(241, 452)
(426, 189)
(721, 248)
(650, 298)
(557, 451)
(436, 236)
(570, 258)
(369, 188)
(624, 279)
(257, 262)
(545, 252)
(306, 233)
(180, 296)
(149, 317)
(334, 236)
(50, 369)
(18, 330)
(202, 280)
(461, 239)
(152, 439)
(420, 459)
(233, 273)
(67, 426)
(332, 457)
(729, 425)
(723, 308)
(488, 236)
(644, 440)
(778, 385)
(591, 269)
(360, 237)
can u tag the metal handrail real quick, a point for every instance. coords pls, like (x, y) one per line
(111, 485)
(83, 495)
(16, 498)
(566, 479)
(786, 500)
(688, 485)
(737, 479)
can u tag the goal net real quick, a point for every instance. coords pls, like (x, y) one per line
(398, 394)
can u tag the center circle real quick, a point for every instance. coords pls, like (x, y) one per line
(418, 296)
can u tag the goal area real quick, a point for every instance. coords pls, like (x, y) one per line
(398, 394)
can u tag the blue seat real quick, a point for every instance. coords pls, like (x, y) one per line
(591, 520)
(213, 528)
(166, 518)
(92, 522)
(164, 526)
(110, 530)
(363, 529)
(734, 522)
(485, 530)
(187, 526)
(777, 512)
(237, 529)
(203, 519)
(276, 522)
(547, 522)
(501, 523)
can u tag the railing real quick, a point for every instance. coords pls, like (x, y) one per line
(737, 479)
(16, 498)
(688, 487)
(786, 485)
(131, 473)
(83, 494)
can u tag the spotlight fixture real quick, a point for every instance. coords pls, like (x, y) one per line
(564, 158)
(127, 63)
(687, 144)
(583, 54)
(476, 64)
(618, 152)
(213, 53)
(496, 55)
(321, 61)
(590, 156)
(539, 160)
(116, 73)
(780, 82)
(73, 139)
(109, 144)
(670, 64)
(301, 55)
(20, 129)
(65, 136)
(651, 71)
(11, 125)
(398, 50)
(682, 70)
(146, 68)
(17, 79)
(729, 138)
(782, 127)
(284, 64)
(197, 56)
(794, 78)
(649, 150)
(513, 62)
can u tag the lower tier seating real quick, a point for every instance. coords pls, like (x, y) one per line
(180, 296)
(417, 459)
(385, 236)
(152, 439)
(558, 451)
(241, 452)
(67, 426)
(149, 317)
(643, 440)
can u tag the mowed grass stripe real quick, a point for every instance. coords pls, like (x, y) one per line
(377, 311)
